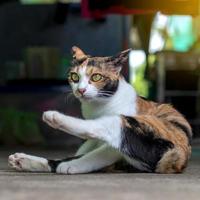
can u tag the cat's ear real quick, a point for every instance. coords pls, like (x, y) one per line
(78, 54)
(120, 60)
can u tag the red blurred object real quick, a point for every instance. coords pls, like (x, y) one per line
(99, 8)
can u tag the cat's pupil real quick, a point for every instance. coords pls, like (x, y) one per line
(96, 77)
(75, 77)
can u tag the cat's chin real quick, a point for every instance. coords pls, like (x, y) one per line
(86, 98)
(92, 99)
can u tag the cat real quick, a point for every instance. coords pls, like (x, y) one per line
(119, 125)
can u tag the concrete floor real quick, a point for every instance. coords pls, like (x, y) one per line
(138, 186)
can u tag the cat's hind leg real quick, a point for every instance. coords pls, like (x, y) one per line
(24, 162)
(30, 163)
(95, 160)
(88, 146)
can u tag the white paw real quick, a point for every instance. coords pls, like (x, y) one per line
(53, 119)
(15, 161)
(24, 162)
(68, 168)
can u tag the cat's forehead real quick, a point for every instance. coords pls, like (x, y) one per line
(96, 62)
(90, 65)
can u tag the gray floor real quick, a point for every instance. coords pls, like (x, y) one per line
(23, 186)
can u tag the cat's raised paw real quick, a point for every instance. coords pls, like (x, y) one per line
(52, 118)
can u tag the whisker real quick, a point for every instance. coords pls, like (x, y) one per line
(70, 96)
(110, 93)
(68, 90)
(106, 91)
(105, 95)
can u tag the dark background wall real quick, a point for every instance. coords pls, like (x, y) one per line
(24, 26)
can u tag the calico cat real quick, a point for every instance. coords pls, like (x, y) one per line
(118, 126)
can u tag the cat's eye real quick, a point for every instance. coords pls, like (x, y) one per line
(74, 77)
(96, 77)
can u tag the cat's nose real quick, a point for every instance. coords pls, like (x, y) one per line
(82, 90)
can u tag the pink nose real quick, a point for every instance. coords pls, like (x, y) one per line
(81, 90)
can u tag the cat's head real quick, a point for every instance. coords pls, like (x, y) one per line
(95, 78)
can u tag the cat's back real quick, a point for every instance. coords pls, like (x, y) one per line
(164, 113)
(160, 110)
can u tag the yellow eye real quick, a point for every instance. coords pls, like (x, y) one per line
(74, 76)
(96, 77)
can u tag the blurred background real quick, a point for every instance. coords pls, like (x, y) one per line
(36, 37)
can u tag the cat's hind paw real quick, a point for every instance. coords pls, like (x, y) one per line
(24, 162)
(14, 161)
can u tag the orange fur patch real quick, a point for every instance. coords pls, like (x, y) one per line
(102, 68)
(159, 117)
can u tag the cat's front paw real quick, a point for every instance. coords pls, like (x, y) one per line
(53, 119)
(68, 168)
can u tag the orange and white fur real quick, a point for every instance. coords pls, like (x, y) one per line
(118, 126)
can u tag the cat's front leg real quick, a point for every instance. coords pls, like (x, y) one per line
(95, 160)
(63, 122)
(107, 129)
(53, 119)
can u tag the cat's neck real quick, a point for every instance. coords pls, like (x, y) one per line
(122, 102)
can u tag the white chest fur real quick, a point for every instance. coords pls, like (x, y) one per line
(123, 102)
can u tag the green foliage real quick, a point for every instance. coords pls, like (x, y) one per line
(19, 127)
(140, 84)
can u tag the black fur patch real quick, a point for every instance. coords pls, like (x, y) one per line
(141, 144)
(184, 129)
(110, 88)
(54, 163)
(93, 63)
